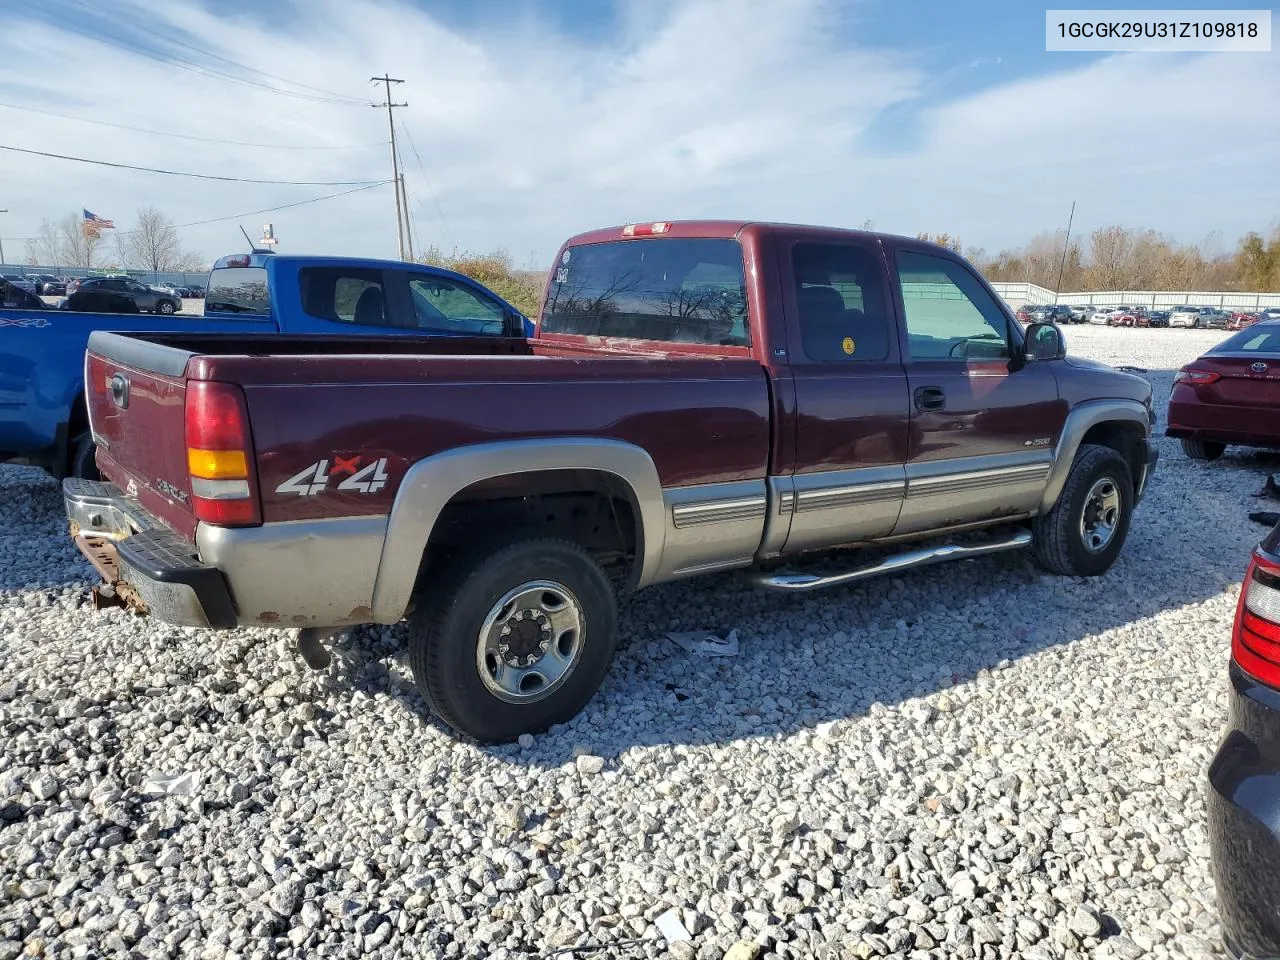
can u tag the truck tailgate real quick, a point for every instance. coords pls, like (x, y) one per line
(136, 413)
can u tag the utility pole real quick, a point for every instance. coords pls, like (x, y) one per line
(2, 244)
(387, 81)
(408, 232)
(1066, 245)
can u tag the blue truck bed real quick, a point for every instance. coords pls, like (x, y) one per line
(42, 418)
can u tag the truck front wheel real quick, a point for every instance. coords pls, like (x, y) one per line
(1085, 531)
(514, 638)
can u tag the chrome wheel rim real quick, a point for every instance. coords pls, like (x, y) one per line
(1101, 516)
(530, 642)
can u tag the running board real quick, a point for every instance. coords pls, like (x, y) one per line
(894, 564)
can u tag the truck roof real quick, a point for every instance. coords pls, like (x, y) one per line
(720, 229)
(258, 259)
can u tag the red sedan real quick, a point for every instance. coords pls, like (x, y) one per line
(1231, 395)
(1239, 321)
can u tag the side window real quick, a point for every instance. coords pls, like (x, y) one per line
(948, 313)
(840, 298)
(345, 295)
(443, 305)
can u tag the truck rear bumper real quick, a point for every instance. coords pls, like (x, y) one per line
(306, 573)
(144, 564)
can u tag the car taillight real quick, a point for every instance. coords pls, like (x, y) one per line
(1255, 641)
(220, 455)
(1196, 377)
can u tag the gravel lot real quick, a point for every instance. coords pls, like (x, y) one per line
(975, 760)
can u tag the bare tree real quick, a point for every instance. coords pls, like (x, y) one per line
(45, 248)
(153, 243)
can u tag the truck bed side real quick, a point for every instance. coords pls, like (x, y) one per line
(337, 435)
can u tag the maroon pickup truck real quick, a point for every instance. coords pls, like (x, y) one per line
(699, 396)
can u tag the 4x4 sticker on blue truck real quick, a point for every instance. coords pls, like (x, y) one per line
(315, 479)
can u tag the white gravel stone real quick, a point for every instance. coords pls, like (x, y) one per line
(1044, 739)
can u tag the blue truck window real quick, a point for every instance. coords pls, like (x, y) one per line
(237, 290)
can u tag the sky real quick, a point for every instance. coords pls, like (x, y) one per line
(532, 120)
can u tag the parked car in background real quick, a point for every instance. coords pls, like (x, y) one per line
(20, 280)
(1184, 316)
(1242, 319)
(1081, 312)
(47, 285)
(20, 297)
(94, 293)
(1230, 395)
(171, 289)
(1213, 318)
(1125, 317)
(43, 420)
(1244, 777)
(1269, 313)
(1154, 318)
(1101, 315)
(1023, 313)
(510, 491)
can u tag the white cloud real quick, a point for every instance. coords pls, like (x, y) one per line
(758, 108)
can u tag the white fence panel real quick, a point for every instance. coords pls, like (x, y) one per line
(1017, 294)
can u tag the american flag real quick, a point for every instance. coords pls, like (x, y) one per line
(100, 223)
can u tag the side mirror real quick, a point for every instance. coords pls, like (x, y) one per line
(1044, 341)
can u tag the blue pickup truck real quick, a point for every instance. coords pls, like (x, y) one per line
(42, 414)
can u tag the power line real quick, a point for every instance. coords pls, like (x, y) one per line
(431, 190)
(197, 176)
(187, 136)
(299, 203)
(139, 25)
(253, 213)
(113, 40)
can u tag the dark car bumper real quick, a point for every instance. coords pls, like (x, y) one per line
(1244, 821)
(1189, 419)
(143, 563)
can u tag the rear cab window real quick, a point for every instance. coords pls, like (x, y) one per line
(674, 290)
(240, 290)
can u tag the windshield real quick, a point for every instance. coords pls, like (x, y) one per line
(676, 290)
(237, 290)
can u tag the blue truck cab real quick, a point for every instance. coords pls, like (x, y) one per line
(42, 414)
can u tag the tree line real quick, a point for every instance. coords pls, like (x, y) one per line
(152, 244)
(1127, 258)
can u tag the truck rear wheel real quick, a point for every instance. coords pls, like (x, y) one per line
(81, 463)
(1086, 529)
(514, 638)
(1203, 449)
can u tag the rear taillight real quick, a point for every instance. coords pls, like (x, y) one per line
(220, 455)
(1196, 377)
(1255, 641)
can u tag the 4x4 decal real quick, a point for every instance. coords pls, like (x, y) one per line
(316, 477)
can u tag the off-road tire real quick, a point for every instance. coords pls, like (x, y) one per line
(1059, 546)
(80, 461)
(1203, 449)
(447, 620)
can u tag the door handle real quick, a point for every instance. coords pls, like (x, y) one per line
(930, 398)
